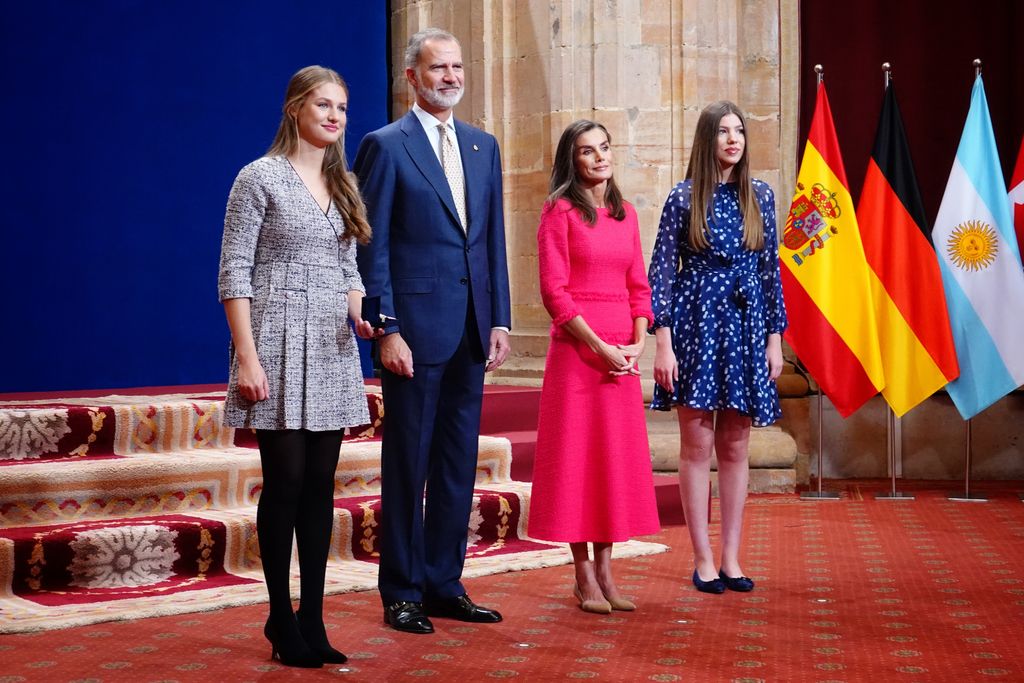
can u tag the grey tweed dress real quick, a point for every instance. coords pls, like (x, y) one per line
(284, 254)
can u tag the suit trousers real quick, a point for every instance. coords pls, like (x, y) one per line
(430, 441)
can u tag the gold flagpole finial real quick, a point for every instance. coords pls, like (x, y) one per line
(819, 70)
(887, 72)
(977, 67)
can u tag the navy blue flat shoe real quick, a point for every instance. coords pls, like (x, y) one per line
(740, 583)
(715, 586)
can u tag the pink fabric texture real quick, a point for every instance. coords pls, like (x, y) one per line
(592, 476)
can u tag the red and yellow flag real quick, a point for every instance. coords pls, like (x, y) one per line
(825, 277)
(914, 336)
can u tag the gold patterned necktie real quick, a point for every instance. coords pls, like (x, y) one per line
(453, 171)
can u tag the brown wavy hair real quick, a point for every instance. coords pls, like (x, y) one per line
(565, 183)
(341, 183)
(704, 172)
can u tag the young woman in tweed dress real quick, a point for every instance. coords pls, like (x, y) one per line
(289, 284)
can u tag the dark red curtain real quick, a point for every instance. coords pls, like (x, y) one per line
(931, 46)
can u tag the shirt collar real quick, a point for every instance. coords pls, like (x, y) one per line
(429, 121)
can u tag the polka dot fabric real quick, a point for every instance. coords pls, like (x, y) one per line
(720, 303)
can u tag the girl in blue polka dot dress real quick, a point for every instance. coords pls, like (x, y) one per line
(718, 323)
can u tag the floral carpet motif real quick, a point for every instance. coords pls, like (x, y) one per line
(851, 590)
(120, 507)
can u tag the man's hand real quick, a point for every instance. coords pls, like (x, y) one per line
(396, 355)
(498, 351)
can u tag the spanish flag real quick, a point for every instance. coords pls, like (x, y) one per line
(825, 277)
(914, 335)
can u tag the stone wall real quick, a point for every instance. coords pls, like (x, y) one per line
(643, 68)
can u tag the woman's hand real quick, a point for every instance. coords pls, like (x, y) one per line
(619, 363)
(632, 353)
(666, 369)
(364, 330)
(774, 354)
(252, 380)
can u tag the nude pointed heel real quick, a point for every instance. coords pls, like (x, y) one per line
(594, 606)
(621, 604)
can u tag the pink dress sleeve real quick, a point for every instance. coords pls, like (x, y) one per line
(636, 277)
(553, 257)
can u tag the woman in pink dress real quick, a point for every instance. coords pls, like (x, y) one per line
(592, 479)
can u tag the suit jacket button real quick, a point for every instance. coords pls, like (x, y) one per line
(463, 281)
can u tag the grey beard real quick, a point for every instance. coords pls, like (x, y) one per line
(441, 101)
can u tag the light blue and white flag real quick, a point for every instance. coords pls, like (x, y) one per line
(981, 268)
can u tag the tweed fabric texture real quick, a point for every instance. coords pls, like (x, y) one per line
(285, 254)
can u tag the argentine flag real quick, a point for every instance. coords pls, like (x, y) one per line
(981, 268)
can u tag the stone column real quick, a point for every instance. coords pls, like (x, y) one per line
(643, 68)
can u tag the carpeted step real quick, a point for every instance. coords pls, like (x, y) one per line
(116, 558)
(119, 425)
(509, 409)
(112, 569)
(524, 444)
(43, 492)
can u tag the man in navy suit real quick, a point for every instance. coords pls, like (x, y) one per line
(437, 280)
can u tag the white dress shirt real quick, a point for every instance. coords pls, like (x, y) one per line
(430, 124)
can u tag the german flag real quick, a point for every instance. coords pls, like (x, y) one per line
(918, 355)
(825, 278)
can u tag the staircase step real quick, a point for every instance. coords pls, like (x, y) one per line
(117, 425)
(509, 409)
(181, 481)
(86, 562)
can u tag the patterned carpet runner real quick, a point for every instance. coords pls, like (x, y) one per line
(129, 506)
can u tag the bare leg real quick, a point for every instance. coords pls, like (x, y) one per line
(586, 577)
(696, 437)
(732, 438)
(603, 567)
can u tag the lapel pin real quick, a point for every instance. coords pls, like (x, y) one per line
(475, 148)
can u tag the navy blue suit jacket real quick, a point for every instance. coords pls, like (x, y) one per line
(420, 267)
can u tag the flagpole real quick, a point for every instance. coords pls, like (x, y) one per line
(893, 435)
(820, 494)
(968, 497)
(819, 71)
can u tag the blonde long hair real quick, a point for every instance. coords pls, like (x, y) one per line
(340, 182)
(703, 171)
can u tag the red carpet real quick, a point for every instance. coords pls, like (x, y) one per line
(848, 590)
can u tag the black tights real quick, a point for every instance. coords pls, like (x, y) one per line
(298, 496)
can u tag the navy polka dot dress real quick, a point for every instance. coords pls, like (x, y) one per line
(721, 304)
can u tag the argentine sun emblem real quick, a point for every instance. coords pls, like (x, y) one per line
(972, 245)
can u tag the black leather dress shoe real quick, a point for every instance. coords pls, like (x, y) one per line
(408, 617)
(461, 608)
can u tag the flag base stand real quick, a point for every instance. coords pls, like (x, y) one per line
(967, 498)
(819, 495)
(893, 495)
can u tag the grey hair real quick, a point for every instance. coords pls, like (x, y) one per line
(415, 46)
